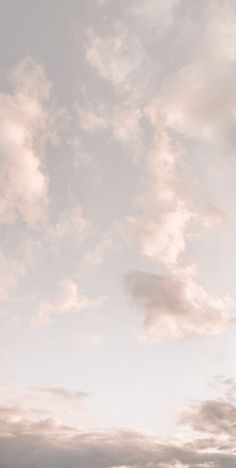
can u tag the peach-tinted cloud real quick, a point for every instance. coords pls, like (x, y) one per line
(23, 191)
(72, 223)
(71, 299)
(163, 225)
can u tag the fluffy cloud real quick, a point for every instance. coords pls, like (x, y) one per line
(71, 299)
(117, 58)
(163, 227)
(23, 118)
(176, 305)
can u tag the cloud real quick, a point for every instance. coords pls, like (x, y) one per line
(123, 121)
(216, 417)
(117, 58)
(228, 384)
(47, 441)
(166, 217)
(30, 437)
(61, 393)
(163, 238)
(197, 99)
(176, 306)
(156, 15)
(71, 223)
(163, 225)
(97, 256)
(71, 299)
(23, 117)
(214, 420)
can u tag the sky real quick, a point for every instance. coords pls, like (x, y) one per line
(117, 233)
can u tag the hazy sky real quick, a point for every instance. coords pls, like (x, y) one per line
(118, 227)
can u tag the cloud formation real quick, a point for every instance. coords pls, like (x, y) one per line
(197, 99)
(176, 306)
(164, 223)
(70, 299)
(117, 58)
(23, 181)
(30, 442)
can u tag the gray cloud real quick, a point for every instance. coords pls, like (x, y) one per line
(176, 305)
(217, 417)
(47, 442)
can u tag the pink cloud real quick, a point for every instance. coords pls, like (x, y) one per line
(24, 184)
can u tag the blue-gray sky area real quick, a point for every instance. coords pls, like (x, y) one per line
(118, 254)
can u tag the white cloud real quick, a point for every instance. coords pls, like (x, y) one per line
(71, 299)
(177, 306)
(23, 116)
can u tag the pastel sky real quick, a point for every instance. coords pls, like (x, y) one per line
(118, 228)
